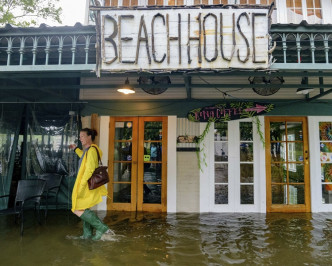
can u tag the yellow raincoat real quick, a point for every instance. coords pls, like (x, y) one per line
(82, 197)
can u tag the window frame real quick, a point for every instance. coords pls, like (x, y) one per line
(315, 164)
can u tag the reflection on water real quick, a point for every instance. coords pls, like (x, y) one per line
(172, 239)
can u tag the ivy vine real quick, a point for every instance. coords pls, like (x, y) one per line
(198, 141)
(258, 123)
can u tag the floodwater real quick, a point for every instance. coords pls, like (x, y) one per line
(172, 239)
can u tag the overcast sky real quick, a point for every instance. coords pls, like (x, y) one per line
(72, 11)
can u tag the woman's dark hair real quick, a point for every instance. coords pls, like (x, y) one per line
(90, 132)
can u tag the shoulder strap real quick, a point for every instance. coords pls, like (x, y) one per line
(99, 160)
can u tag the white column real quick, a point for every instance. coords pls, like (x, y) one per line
(103, 145)
(171, 164)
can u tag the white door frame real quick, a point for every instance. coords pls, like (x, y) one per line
(207, 173)
(315, 170)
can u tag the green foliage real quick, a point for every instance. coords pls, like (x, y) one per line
(200, 139)
(269, 108)
(191, 115)
(25, 13)
(259, 130)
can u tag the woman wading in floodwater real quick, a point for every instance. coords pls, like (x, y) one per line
(82, 197)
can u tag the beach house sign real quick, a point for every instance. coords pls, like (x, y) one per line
(186, 38)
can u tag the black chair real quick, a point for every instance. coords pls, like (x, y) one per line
(28, 196)
(53, 182)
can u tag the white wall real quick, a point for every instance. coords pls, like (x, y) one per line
(103, 145)
(171, 165)
(187, 182)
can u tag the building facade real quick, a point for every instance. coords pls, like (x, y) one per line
(231, 110)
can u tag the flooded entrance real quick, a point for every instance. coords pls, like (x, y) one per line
(138, 164)
(173, 239)
(287, 165)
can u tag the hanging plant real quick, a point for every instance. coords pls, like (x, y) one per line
(198, 141)
(256, 121)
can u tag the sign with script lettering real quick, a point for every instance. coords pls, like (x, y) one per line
(229, 111)
(186, 38)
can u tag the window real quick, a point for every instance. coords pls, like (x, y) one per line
(309, 10)
(255, 2)
(246, 163)
(221, 162)
(325, 137)
(183, 2)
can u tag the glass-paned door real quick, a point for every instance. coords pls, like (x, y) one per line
(137, 163)
(246, 163)
(325, 143)
(236, 167)
(221, 163)
(287, 164)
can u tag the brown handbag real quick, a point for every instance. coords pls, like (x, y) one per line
(100, 176)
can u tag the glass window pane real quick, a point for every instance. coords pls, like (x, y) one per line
(326, 147)
(296, 194)
(325, 130)
(247, 194)
(295, 152)
(278, 173)
(318, 14)
(279, 194)
(289, 3)
(294, 131)
(220, 131)
(152, 172)
(153, 130)
(296, 173)
(151, 193)
(247, 173)
(122, 172)
(218, 2)
(317, 4)
(122, 151)
(278, 152)
(326, 172)
(246, 152)
(245, 131)
(277, 131)
(121, 193)
(155, 2)
(153, 150)
(123, 130)
(221, 194)
(298, 3)
(327, 193)
(221, 151)
(310, 3)
(221, 172)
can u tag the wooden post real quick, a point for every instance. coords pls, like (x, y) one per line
(95, 124)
